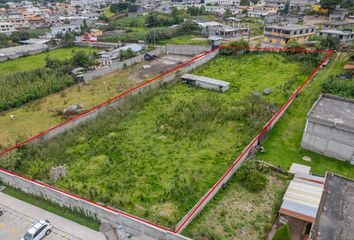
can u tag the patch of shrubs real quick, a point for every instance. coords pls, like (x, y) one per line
(342, 85)
(250, 176)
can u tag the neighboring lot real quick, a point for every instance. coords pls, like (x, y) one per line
(159, 154)
(283, 144)
(36, 61)
(41, 114)
(237, 213)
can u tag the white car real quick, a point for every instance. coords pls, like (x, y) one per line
(38, 231)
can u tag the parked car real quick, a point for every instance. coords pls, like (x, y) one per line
(1, 211)
(38, 231)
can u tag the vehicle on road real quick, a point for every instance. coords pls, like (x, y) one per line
(1, 211)
(38, 231)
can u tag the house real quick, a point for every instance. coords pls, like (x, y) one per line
(205, 82)
(257, 14)
(279, 35)
(338, 14)
(329, 128)
(96, 32)
(334, 219)
(7, 28)
(86, 38)
(65, 29)
(223, 2)
(346, 37)
(217, 29)
(301, 202)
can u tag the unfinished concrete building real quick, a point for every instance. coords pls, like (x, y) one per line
(329, 128)
(335, 215)
(280, 35)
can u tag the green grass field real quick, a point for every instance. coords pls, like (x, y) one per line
(36, 61)
(283, 143)
(186, 39)
(107, 12)
(151, 158)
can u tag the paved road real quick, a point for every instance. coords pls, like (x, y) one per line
(19, 216)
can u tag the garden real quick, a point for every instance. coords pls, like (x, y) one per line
(158, 154)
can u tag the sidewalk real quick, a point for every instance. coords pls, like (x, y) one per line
(60, 223)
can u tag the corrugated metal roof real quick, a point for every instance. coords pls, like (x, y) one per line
(205, 79)
(303, 196)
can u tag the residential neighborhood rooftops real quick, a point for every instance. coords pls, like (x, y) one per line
(336, 212)
(333, 111)
(290, 27)
(337, 32)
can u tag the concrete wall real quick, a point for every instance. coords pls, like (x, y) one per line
(98, 44)
(328, 141)
(17, 54)
(113, 217)
(187, 49)
(88, 76)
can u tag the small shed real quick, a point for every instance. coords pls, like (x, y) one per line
(302, 198)
(205, 82)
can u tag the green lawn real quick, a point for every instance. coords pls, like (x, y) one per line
(107, 12)
(53, 208)
(283, 144)
(158, 155)
(186, 39)
(36, 61)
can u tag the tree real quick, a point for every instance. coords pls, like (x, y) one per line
(84, 27)
(329, 4)
(283, 233)
(330, 43)
(227, 13)
(292, 43)
(244, 2)
(20, 36)
(82, 59)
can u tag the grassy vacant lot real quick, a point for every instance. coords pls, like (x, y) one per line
(157, 156)
(41, 114)
(237, 213)
(36, 61)
(186, 39)
(283, 144)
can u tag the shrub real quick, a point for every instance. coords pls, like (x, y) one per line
(283, 233)
(341, 87)
(250, 177)
(19, 88)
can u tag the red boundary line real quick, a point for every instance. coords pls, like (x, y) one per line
(329, 53)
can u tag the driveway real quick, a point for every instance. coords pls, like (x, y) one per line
(19, 216)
